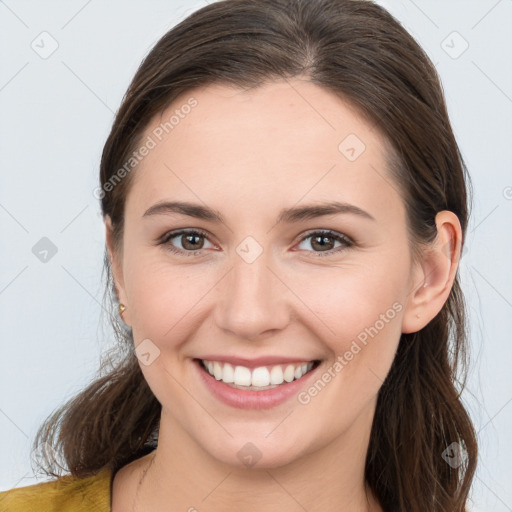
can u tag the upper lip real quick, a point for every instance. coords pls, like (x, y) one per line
(255, 362)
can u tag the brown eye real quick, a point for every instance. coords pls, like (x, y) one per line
(191, 242)
(323, 242)
(186, 242)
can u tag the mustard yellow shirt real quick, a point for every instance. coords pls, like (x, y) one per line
(65, 494)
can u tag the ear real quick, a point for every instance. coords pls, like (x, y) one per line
(115, 257)
(433, 277)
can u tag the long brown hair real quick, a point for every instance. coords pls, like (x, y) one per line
(354, 49)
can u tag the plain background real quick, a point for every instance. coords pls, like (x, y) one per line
(56, 112)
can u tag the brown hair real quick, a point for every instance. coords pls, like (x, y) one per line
(354, 49)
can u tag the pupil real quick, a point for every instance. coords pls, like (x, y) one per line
(188, 239)
(322, 241)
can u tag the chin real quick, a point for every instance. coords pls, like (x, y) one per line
(254, 452)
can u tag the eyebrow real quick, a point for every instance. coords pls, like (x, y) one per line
(287, 215)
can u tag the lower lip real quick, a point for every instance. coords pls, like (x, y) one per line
(250, 399)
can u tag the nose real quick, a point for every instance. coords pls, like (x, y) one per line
(253, 300)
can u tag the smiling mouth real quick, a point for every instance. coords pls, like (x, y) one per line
(257, 379)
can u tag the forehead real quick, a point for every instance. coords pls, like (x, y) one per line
(307, 119)
(277, 142)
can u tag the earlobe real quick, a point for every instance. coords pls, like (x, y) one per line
(434, 276)
(115, 264)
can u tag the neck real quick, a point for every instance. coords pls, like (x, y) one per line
(180, 475)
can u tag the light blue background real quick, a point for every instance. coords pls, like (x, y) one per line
(55, 114)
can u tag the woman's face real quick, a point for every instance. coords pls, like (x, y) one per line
(275, 278)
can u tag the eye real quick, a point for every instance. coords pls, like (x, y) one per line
(325, 240)
(191, 241)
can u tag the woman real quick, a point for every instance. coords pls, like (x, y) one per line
(285, 208)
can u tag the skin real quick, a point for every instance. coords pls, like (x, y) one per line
(248, 155)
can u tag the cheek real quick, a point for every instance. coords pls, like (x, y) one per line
(361, 327)
(356, 312)
(347, 300)
(165, 297)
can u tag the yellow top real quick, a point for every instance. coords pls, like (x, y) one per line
(66, 494)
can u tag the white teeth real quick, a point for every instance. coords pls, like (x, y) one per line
(228, 374)
(263, 377)
(276, 375)
(260, 377)
(217, 370)
(289, 373)
(242, 376)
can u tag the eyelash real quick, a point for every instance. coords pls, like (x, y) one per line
(332, 234)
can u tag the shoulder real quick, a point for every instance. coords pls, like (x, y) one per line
(65, 494)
